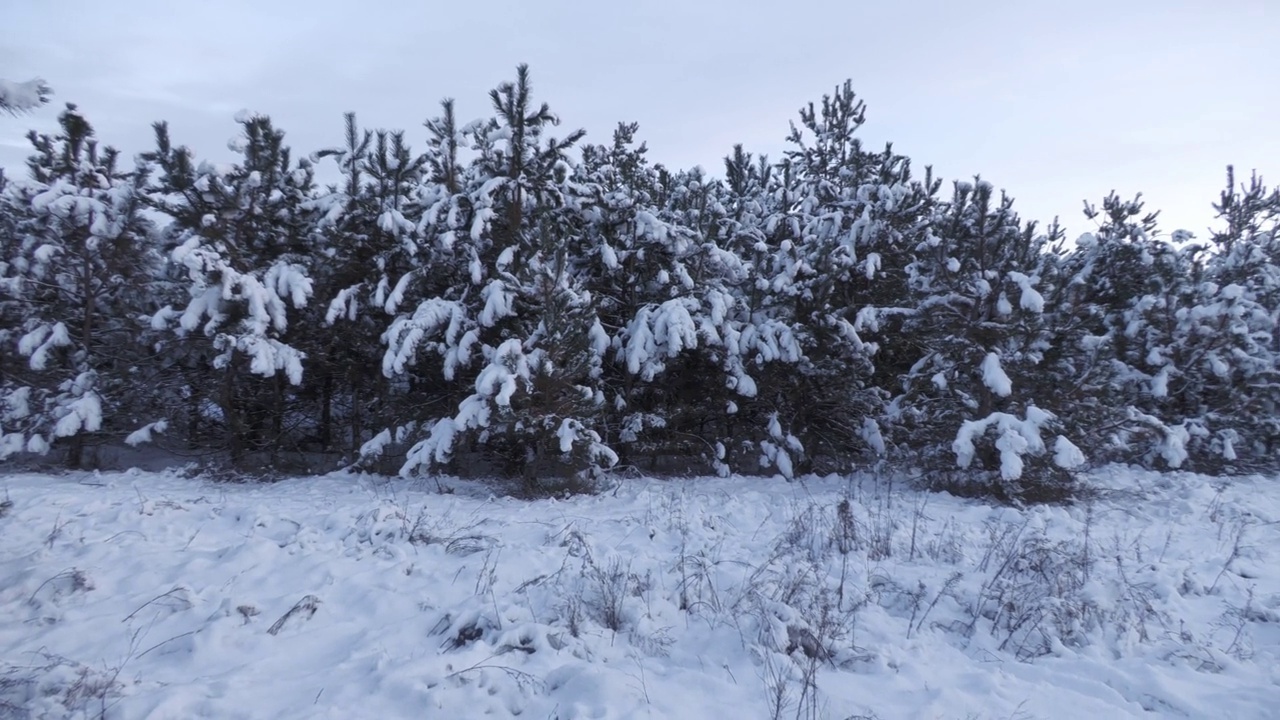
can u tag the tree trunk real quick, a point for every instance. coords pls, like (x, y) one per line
(231, 414)
(277, 412)
(75, 452)
(326, 410)
(193, 416)
(356, 429)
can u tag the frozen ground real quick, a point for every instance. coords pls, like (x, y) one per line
(142, 595)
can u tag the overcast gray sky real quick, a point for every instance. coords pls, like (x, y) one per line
(1054, 101)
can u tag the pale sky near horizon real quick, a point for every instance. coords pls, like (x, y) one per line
(1055, 102)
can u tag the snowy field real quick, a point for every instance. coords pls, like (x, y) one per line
(141, 595)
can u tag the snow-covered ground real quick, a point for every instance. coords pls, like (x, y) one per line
(158, 596)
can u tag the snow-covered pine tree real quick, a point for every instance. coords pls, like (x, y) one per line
(622, 267)
(848, 220)
(1114, 352)
(661, 299)
(340, 276)
(242, 234)
(510, 300)
(1229, 384)
(76, 255)
(369, 228)
(13, 213)
(974, 397)
(427, 354)
(762, 333)
(16, 419)
(559, 423)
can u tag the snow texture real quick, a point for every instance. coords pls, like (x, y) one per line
(144, 433)
(994, 377)
(1031, 299)
(1066, 455)
(348, 596)
(1015, 437)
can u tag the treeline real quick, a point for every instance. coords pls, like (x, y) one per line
(508, 299)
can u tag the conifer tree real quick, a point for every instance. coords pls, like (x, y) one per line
(515, 305)
(972, 398)
(1116, 319)
(1244, 397)
(1223, 377)
(369, 227)
(662, 301)
(242, 236)
(76, 253)
(850, 219)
